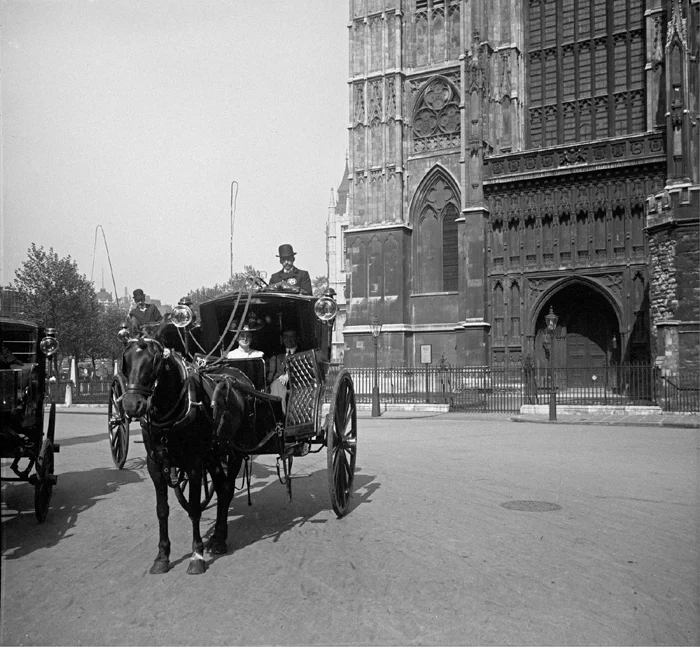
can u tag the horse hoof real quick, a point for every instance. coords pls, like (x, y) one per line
(159, 567)
(217, 547)
(196, 567)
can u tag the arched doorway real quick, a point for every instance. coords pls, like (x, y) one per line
(587, 340)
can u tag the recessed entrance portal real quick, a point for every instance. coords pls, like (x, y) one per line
(586, 341)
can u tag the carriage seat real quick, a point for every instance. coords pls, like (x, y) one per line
(254, 369)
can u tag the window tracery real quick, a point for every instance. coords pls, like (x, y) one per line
(436, 118)
(586, 64)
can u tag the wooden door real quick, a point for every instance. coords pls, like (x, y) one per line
(587, 347)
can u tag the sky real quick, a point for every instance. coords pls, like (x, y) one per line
(146, 117)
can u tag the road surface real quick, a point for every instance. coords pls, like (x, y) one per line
(463, 530)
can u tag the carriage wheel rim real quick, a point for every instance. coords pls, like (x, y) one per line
(118, 427)
(342, 442)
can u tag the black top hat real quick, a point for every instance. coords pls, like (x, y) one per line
(286, 250)
(185, 301)
(138, 294)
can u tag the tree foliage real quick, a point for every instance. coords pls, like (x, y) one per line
(105, 344)
(237, 282)
(57, 295)
(319, 285)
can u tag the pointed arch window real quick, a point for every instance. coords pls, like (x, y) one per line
(437, 247)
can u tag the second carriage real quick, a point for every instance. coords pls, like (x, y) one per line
(320, 407)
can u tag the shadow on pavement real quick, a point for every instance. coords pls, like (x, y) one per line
(74, 493)
(272, 514)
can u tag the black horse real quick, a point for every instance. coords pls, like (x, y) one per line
(183, 435)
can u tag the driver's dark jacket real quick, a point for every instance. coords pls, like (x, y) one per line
(298, 278)
(150, 315)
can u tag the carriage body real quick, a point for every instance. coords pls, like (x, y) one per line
(24, 393)
(232, 394)
(308, 369)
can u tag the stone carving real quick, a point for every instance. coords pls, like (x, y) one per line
(391, 97)
(375, 102)
(657, 49)
(613, 283)
(437, 120)
(359, 110)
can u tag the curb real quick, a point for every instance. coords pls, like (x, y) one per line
(613, 423)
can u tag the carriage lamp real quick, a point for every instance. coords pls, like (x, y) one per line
(551, 320)
(181, 316)
(124, 335)
(326, 308)
(49, 344)
(376, 329)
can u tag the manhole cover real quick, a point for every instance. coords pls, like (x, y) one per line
(531, 506)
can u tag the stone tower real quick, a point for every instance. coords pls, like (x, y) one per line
(512, 156)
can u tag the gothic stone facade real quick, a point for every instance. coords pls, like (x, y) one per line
(512, 156)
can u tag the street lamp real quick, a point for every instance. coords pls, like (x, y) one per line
(376, 329)
(233, 215)
(551, 319)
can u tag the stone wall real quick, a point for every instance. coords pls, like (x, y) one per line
(675, 296)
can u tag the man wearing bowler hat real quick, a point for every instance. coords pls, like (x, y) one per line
(290, 278)
(143, 312)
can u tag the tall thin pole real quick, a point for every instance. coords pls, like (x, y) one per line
(233, 216)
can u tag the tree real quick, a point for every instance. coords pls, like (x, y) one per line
(105, 343)
(57, 295)
(319, 285)
(237, 282)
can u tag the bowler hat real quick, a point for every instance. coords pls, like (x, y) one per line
(286, 250)
(138, 294)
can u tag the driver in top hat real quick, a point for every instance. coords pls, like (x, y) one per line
(290, 277)
(143, 312)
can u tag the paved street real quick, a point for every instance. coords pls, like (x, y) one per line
(464, 530)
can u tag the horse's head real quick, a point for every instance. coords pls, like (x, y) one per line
(142, 363)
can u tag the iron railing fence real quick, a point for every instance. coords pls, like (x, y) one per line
(680, 393)
(618, 385)
(485, 389)
(463, 388)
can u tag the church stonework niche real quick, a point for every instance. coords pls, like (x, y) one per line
(503, 153)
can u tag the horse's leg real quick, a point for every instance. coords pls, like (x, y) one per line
(162, 561)
(197, 565)
(225, 486)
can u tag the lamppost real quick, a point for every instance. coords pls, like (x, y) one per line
(551, 319)
(233, 215)
(376, 329)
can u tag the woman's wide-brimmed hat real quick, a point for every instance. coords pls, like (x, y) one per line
(286, 250)
(254, 323)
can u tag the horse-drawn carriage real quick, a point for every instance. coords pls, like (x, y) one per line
(203, 415)
(25, 370)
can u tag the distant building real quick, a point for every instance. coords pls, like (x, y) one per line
(104, 298)
(335, 256)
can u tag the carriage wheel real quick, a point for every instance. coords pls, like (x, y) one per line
(45, 480)
(117, 423)
(182, 489)
(341, 443)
